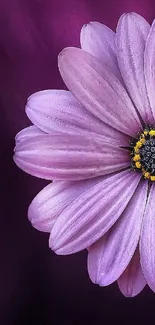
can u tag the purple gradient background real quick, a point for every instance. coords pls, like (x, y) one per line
(36, 286)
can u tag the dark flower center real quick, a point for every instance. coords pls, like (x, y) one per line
(143, 153)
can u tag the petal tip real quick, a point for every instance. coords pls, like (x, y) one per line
(36, 95)
(55, 249)
(63, 53)
(85, 26)
(67, 51)
(90, 24)
(32, 96)
(129, 293)
(129, 15)
(30, 212)
(62, 56)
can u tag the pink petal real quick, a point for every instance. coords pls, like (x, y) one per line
(98, 90)
(59, 111)
(93, 213)
(132, 281)
(28, 133)
(99, 40)
(149, 66)
(147, 242)
(131, 35)
(66, 157)
(52, 200)
(108, 257)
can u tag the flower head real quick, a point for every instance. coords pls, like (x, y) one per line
(96, 142)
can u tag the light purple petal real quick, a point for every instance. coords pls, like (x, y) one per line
(108, 257)
(132, 32)
(99, 40)
(59, 111)
(27, 133)
(66, 157)
(147, 242)
(149, 66)
(53, 199)
(93, 213)
(132, 281)
(98, 90)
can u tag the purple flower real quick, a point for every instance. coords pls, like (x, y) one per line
(97, 143)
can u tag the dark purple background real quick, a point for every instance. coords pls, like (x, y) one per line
(36, 286)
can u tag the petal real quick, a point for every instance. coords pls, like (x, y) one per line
(132, 281)
(131, 35)
(93, 213)
(99, 40)
(108, 257)
(149, 66)
(147, 242)
(28, 133)
(66, 157)
(59, 111)
(98, 90)
(52, 200)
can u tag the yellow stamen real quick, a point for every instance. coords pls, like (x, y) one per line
(138, 145)
(136, 157)
(147, 175)
(138, 164)
(142, 141)
(138, 154)
(136, 150)
(152, 132)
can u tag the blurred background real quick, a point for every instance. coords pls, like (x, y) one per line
(36, 286)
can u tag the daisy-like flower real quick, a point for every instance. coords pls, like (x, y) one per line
(96, 142)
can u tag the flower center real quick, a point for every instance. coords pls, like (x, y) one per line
(143, 153)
